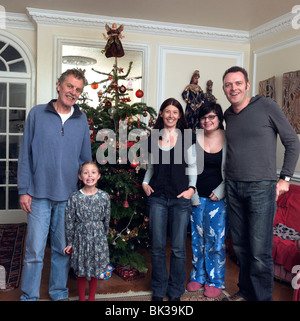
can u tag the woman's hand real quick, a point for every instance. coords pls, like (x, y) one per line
(213, 197)
(147, 189)
(187, 194)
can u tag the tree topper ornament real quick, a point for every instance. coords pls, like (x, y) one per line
(113, 46)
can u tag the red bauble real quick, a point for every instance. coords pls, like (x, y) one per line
(94, 85)
(139, 93)
(134, 164)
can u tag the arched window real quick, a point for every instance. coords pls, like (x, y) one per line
(15, 101)
(10, 59)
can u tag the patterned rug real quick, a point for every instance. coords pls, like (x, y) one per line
(12, 237)
(146, 296)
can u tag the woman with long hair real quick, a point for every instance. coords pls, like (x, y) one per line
(169, 189)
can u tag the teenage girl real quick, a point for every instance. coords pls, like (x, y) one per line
(87, 224)
(209, 218)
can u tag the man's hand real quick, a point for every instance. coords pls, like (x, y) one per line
(25, 203)
(281, 188)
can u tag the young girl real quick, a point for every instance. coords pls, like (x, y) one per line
(87, 224)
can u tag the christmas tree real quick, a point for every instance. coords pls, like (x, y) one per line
(121, 171)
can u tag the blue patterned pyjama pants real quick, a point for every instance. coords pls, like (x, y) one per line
(209, 227)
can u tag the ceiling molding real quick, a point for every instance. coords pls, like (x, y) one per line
(54, 17)
(18, 21)
(64, 18)
(277, 25)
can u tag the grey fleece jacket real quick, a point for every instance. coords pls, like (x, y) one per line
(51, 153)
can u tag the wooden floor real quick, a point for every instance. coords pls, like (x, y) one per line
(282, 291)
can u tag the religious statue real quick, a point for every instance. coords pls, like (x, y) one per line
(194, 97)
(208, 96)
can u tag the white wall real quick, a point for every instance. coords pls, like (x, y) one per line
(274, 58)
(172, 61)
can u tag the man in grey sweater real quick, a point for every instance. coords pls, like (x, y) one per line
(252, 126)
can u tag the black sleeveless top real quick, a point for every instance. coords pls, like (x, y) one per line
(211, 177)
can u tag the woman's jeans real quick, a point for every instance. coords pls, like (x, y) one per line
(251, 210)
(177, 212)
(209, 226)
(45, 214)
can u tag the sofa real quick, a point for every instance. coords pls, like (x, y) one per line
(286, 238)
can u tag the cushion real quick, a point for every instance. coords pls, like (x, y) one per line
(285, 253)
(288, 208)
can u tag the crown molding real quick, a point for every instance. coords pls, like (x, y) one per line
(277, 25)
(53, 17)
(18, 21)
(64, 18)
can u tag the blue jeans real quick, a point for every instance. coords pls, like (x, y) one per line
(45, 214)
(251, 210)
(209, 226)
(177, 212)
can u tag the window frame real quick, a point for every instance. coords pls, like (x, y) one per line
(16, 215)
